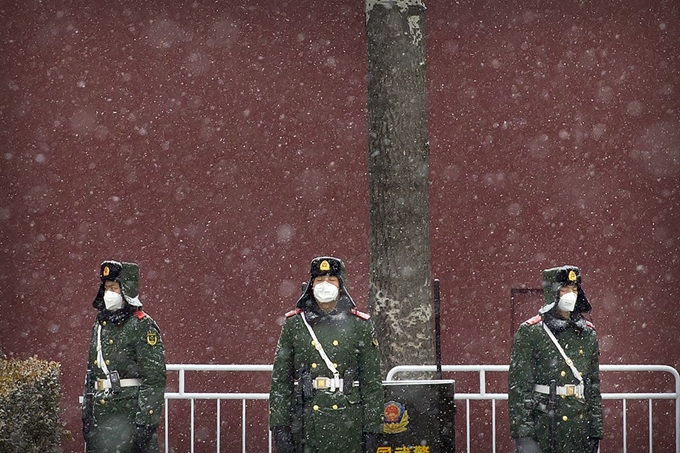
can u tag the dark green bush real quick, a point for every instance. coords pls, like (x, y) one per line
(30, 392)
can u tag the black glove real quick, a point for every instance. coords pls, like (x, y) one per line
(142, 438)
(593, 445)
(526, 445)
(87, 414)
(283, 439)
(369, 442)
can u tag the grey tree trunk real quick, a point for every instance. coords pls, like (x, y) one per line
(398, 167)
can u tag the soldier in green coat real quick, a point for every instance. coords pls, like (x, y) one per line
(326, 393)
(125, 382)
(558, 347)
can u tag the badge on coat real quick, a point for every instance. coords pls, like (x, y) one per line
(152, 338)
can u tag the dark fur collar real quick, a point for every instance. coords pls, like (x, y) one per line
(117, 316)
(556, 323)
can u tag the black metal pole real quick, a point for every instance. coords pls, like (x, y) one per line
(437, 328)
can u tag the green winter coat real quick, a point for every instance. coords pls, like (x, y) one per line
(331, 421)
(132, 346)
(536, 360)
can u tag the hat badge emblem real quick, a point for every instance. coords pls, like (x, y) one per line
(106, 271)
(572, 276)
(325, 266)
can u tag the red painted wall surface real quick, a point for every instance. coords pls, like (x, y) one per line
(222, 147)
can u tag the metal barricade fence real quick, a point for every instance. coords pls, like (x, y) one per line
(482, 395)
(181, 394)
(493, 397)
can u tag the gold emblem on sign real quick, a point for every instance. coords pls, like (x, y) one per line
(572, 276)
(325, 266)
(395, 418)
(107, 271)
(152, 338)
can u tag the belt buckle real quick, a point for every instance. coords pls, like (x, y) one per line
(321, 383)
(570, 390)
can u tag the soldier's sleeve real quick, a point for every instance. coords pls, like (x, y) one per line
(151, 360)
(593, 395)
(370, 379)
(281, 393)
(520, 384)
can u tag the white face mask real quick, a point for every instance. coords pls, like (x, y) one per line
(113, 301)
(567, 302)
(325, 292)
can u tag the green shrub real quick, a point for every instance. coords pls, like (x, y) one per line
(29, 406)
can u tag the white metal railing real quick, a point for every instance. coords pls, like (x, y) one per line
(181, 394)
(482, 394)
(493, 397)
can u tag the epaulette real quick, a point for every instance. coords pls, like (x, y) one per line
(294, 312)
(140, 314)
(533, 321)
(360, 314)
(590, 324)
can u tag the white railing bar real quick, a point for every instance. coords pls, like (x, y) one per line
(213, 396)
(640, 396)
(467, 418)
(166, 425)
(605, 396)
(181, 381)
(493, 424)
(425, 368)
(501, 368)
(457, 396)
(625, 424)
(243, 426)
(192, 425)
(650, 427)
(214, 367)
(219, 427)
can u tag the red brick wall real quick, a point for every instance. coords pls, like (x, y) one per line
(222, 148)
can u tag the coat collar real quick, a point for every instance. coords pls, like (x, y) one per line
(557, 323)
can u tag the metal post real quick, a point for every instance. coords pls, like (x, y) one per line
(243, 426)
(219, 431)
